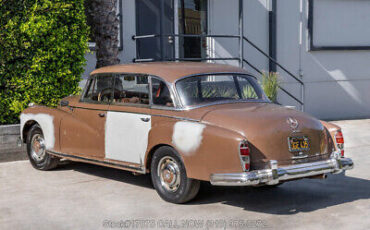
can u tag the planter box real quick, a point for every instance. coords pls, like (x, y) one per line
(9, 150)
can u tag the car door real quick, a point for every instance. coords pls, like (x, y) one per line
(83, 131)
(128, 120)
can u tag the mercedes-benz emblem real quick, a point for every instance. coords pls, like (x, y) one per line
(293, 123)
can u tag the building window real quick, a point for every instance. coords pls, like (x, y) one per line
(192, 19)
(89, 19)
(339, 25)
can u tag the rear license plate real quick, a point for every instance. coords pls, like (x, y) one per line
(298, 144)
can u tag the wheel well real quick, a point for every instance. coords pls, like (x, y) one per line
(150, 154)
(26, 129)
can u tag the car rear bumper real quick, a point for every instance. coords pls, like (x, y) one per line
(275, 175)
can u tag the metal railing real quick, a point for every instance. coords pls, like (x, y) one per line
(300, 101)
(137, 37)
(240, 58)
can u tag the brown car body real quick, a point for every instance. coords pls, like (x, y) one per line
(77, 131)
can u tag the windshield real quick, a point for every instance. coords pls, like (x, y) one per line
(205, 89)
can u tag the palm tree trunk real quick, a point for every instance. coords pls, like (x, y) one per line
(103, 14)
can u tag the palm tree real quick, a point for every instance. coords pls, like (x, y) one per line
(102, 17)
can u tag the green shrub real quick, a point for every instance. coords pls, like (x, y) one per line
(270, 84)
(42, 48)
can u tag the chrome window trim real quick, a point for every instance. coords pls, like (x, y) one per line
(88, 82)
(213, 73)
(174, 98)
(114, 74)
(178, 106)
(150, 91)
(84, 91)
(224, 102)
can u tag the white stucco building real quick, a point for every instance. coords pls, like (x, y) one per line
(325, 44)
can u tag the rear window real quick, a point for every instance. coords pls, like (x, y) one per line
(205, 89)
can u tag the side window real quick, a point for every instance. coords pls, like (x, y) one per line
(160, 93)
(131, 89)
(247, 89)
(99, 89)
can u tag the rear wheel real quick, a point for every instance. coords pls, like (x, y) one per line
(36, 150)
(169, 177)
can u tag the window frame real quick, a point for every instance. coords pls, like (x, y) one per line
(313, 47)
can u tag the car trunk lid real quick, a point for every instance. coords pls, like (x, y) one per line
(268, 128)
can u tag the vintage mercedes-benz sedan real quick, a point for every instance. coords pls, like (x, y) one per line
(183, 123)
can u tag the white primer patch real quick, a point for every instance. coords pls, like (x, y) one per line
(126, 136)
(46, 123)
(187, 136)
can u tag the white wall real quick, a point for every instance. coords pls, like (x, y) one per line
(256, 29)
(337, 83)
(224, 19)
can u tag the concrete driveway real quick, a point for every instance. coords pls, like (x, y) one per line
(82, 196)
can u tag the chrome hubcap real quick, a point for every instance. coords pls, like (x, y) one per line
(169, 174)
(37, 147)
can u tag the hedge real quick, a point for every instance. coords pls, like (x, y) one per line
(42, 48)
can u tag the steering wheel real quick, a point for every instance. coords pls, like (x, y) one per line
(105, 94)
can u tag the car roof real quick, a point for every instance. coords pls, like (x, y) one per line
(170, 71)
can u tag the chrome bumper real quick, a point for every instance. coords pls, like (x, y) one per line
(274, 174)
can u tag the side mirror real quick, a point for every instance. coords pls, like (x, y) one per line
(64, 103)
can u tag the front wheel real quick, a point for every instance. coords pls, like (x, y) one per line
(169, 177)
(36, 150)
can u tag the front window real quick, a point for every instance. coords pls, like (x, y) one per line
(208, 89)
(99, 89)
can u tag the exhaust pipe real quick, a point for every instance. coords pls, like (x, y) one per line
(321, 177)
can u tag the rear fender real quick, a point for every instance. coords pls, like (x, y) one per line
(204, 148)
(333, 129)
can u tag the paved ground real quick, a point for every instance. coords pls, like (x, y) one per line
(81, 196)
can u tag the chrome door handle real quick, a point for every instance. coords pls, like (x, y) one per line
(145, 119)
(101, 114)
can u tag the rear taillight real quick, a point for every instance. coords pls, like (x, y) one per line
(244, 152)
(339, 140)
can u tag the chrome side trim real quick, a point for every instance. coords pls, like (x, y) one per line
(140, 169)
(178, 106)
(274, 174)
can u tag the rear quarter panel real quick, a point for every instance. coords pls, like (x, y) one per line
(333, 129)
(204, 149)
